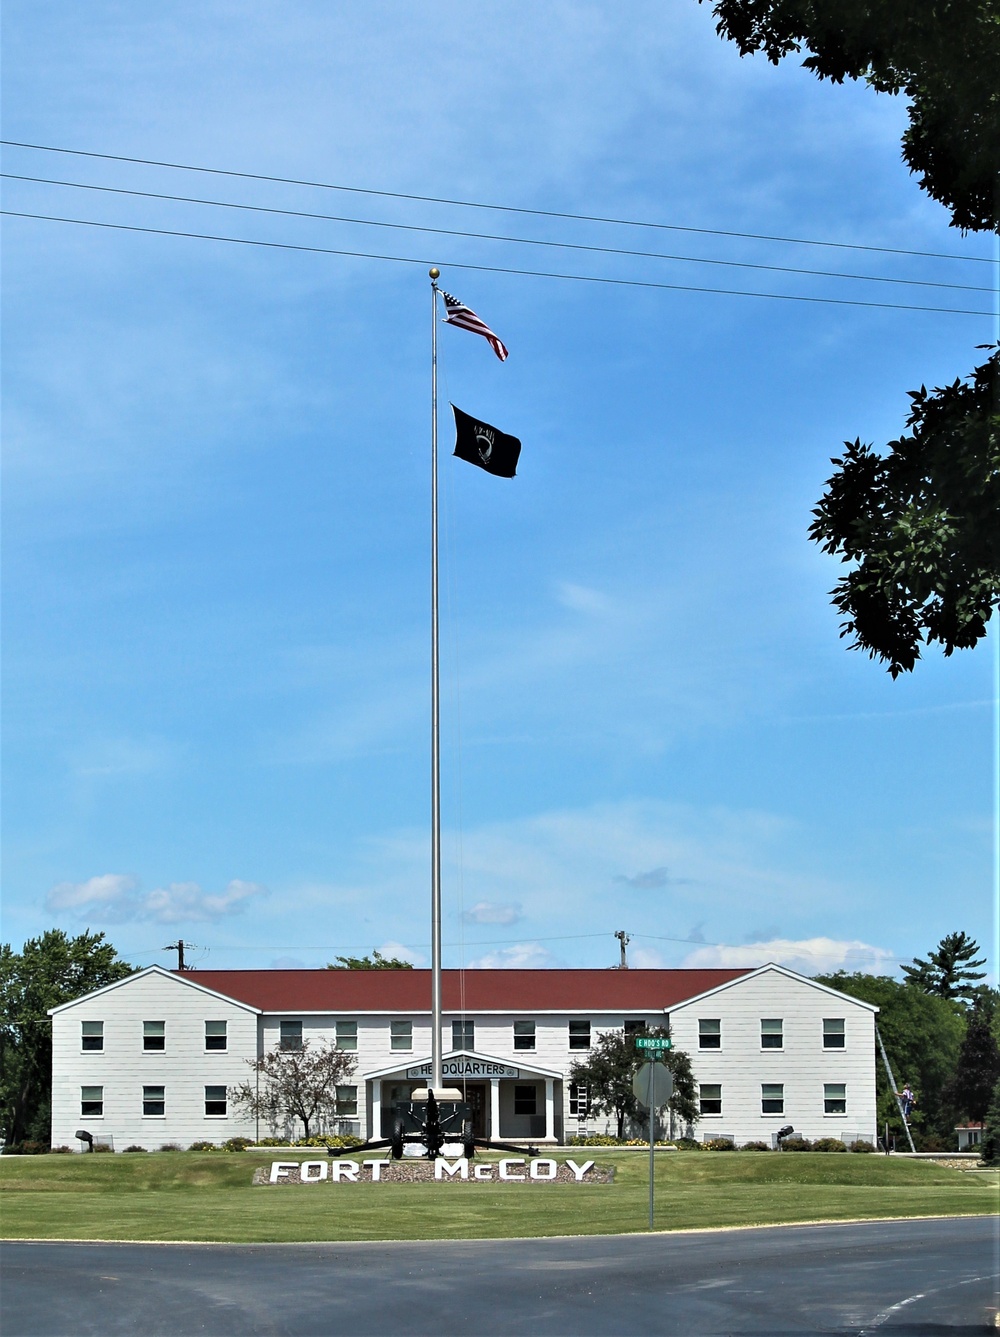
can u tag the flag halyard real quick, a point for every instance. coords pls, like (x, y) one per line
(456, 313)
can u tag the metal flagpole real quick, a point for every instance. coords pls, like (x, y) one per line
(436, 1076)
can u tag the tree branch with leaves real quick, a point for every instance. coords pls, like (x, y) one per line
(291, 1084)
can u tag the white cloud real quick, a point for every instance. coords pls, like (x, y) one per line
(115, 897)
(809, 956)
(494, 912)
(519, 956)
(401, 952)
(645, 958)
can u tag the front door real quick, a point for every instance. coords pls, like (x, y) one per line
(475, 1095)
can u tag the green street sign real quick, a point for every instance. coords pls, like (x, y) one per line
(653, 1042)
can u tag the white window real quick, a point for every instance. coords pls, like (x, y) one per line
(709, 1033)
(401, 1035)
(463, 1035)
(92, 1035)
(347, 1100)
(834, 1098)
(771, 1034)
(154, 1104)
(579, 1035)
(291, 1035)
(579, 1100)
(216, 1036)
(347, 1035)
(524, 1035)
(154, 1036)
(215, 1102)
(92, 1102)
(710, 1098)
(772, 1098)
(833, 1033)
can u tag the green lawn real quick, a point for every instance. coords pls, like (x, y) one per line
(205, 1196)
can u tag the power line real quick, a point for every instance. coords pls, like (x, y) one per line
(498, 208)
(490, 236)
(493, 269)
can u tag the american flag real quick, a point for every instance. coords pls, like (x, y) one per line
(466, 319)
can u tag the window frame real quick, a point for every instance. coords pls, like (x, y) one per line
(224, 1102)
(222, 1035)
(715, 1035)
(829, 1100)
(704, 1099)
(521, 1100)
(347, 1106)
(97, 1035)
(154, 1100)
(578, 1090)
(838, 1037)
(573, 1038)
(767, 1036)
(94, 1100)
(401, 1037)
(772, 1100)
(526, 1040)
(287, 1044)
(467, 1026)
(345, 1038)
(148, 1036)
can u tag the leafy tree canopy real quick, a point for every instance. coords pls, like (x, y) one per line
(950, 971)
(294, 1084)
(610, 1067)
(48, 971)
(978, 1069)
(922, 521)
(374, 962)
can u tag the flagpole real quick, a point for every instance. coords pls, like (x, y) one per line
(436, 1075)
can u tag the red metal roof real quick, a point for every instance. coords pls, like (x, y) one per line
(484, 990)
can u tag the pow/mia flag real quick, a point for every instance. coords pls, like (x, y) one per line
(485, 446)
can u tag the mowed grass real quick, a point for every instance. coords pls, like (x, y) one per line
(208, 1197)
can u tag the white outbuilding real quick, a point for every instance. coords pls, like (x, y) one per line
(153, 1058)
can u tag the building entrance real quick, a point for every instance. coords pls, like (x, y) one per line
(476, 1096)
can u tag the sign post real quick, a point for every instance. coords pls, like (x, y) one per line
(653, 1085)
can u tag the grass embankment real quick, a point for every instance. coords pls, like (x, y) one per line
(205, 1196)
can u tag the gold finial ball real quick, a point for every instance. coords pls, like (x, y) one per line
(434, 272)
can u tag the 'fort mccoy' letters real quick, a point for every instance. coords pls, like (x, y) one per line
(510, 1170)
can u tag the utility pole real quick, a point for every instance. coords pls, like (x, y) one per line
(624, 940)
(178, 947)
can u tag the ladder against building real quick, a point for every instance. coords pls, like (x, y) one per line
(892, 1087)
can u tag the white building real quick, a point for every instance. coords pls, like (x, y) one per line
(151, 1059)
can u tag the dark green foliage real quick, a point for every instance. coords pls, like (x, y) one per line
(978, 1068)
(922, 524)
(942, 54)
(720, 1144)
(950, 972)
(610, 1067)
(203, 1146)
(687, 1144)
(49, 970)
(374, 962)
(922, 1034)
(755, 1146)
(828, 1144)
(135, 1147)
(862, 1146)
(796, 1144)
(991, 1133)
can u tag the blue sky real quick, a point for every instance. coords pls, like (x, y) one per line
(216, 498)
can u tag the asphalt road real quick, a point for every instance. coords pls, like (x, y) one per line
(914, 1277)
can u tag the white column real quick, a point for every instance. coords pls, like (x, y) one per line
(494, 1107)
(550, 1107)
(376, 1128)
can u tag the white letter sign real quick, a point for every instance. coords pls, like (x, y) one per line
(506, 1174)
(543, 1168)
(580, 1170)
(307, 1167)
(451, 1168)
(280, 1169)
(345, 1170)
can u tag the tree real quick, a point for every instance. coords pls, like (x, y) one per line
(374, 962)
(48, 971)
(978, 1068)
(991, 1132)
(610, 1067)
(922, 1034)
(294, 1084)
(923, 521)
(950, 971)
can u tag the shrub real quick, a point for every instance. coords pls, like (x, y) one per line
(756, 1146)
(596, 1140)
(828, 1144)
(27, 1148)
(720, 1144)
(329, 1140)
(861, 1145)
(61, 1151)
(103, 1146)
(170, 1146)
(796, 1144)
(273, 1142)
(237, 1143)
(203, 1146)
(687, 1144)
(135, 1147)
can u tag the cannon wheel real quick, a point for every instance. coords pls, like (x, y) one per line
(468, 1139)
(397, 1140)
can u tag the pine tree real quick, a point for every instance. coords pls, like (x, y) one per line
(978, 1069)
(950, 972)
(991, 1133)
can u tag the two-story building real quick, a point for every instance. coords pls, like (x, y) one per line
(153, 1058)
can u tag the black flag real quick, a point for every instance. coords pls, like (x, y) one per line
(486, 446)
